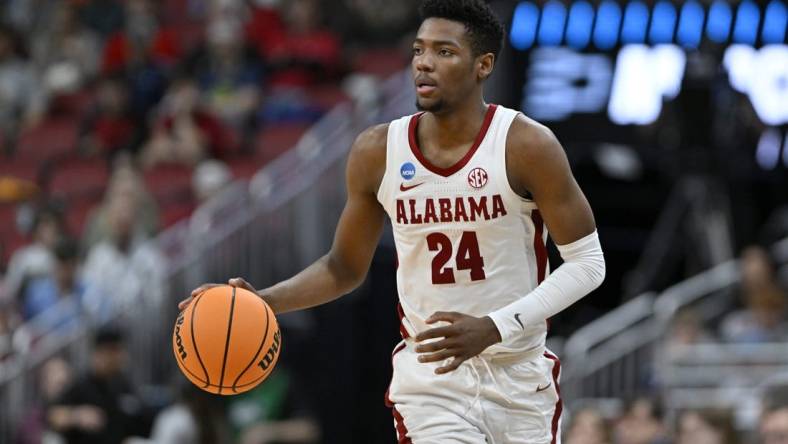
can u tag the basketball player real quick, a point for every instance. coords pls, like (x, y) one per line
(471, 190)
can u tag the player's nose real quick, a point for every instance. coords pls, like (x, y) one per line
(423, 63)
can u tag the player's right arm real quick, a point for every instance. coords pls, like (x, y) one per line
(344, 267)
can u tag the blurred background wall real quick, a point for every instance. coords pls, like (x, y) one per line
(149, 146)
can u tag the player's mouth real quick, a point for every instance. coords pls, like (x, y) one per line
(425, 86)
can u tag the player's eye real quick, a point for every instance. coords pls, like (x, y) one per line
(417, 51)
(445, 52)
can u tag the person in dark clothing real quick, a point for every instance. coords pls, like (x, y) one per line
(100, 407)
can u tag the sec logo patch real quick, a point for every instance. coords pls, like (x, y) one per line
(477, 178)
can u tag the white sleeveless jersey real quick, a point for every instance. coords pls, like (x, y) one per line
(465, 241)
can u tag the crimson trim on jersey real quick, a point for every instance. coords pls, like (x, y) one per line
(540, 249)
(401, 314)
(399, 421)
(446, 172)
(559, 405)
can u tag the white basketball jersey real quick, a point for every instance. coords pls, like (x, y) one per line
(465, 241)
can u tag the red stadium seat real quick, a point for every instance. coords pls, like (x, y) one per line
(19, 169)
(79, 179)
(176, 211)
(51, 139)
(169, 183)
(272, 141)
(244, 167)
(77, 214)
(381, 62)
(327, 96)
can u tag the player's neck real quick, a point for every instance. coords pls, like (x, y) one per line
(457, 127)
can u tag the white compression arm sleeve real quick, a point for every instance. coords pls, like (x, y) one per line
(582, 271)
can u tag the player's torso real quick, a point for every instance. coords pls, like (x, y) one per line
(465, 240)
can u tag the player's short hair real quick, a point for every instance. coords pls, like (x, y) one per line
(485, 30)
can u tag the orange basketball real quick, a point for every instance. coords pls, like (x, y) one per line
(227, 340)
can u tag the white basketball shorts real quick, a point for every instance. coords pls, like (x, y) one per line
(512, 400)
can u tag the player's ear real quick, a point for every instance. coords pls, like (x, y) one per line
(484, 64)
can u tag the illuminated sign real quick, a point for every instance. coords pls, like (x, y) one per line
(612, 23)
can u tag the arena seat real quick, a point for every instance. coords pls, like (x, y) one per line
(78, 179)
(20, 169)
(381, 62)
(274, 140)
(50, 139)
(169, 183)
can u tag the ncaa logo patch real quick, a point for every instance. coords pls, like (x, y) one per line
(477, 178)
(407, 171)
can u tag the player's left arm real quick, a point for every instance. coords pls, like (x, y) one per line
(536, 166)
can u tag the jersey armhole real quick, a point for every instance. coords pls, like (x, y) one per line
(506, 185)
(384, 191)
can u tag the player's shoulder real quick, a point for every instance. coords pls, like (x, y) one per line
(526, 133)
(368, 156)
(371, 143)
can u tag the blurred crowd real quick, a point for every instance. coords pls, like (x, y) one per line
(117, 119)
(643, 421)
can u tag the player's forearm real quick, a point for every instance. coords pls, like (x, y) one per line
(583, 270)
(321, 282)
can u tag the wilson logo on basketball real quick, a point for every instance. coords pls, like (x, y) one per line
(178, 340)
(271, 354)
(477, 178)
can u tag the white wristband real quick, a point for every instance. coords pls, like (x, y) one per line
(583, 270)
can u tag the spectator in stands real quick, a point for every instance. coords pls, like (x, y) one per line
(309, 53)
(706, 427)
(274, 412)
(119, 268)
(686, 328)
(210, 178)
(229, 74)
(773, 427)
(101, 406)
(54, 301)
(22, 102)
(641, 424)
(110, 128)
(8, 322)
(36, 259)
(126, 187)
(197, 418)
(140, 40)
(67, 53)
(185, 133)
(764, 317)
(102, 16)
(54, 377)
(588, 427)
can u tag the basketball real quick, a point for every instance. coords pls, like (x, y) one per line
(227, 341)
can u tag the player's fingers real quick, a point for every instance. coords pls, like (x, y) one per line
(202, 288)
(184, 303)
(437, 332)
(447, 316)
(453, 365)
(439, 356)
(241, 283)
(435, 346)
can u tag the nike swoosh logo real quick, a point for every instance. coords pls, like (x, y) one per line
(541, 389)
(402, 186)
(517, 318)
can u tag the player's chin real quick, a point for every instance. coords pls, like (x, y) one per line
(429, 104)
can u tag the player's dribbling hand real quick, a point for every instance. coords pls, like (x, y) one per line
(466, 337)
(235, 282)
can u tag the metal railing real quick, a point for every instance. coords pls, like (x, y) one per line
(265, 230)
(614, 356)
